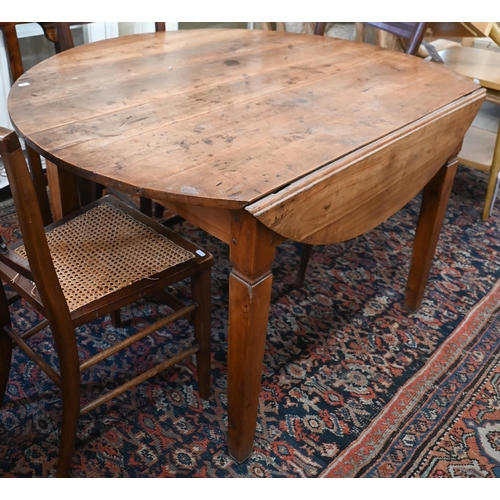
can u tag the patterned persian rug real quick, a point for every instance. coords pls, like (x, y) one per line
(445, 421)
(353, 385)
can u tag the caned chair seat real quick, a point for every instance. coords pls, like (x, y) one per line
(104, 250)
(91, 263)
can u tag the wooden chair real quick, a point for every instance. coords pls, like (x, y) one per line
(412, 34)
(89, 264)
(481, 147)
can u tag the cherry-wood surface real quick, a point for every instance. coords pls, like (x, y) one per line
(177, 107)
(255, 136)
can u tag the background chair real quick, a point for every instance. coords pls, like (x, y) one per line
(412, 35)
(89, 264)
(481, 147)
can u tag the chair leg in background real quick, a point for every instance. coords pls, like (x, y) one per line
(146, 206)
(159, 210)
(304, 260)
(201, 295)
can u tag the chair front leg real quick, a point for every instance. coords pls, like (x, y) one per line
(70, 386)
(70, 416)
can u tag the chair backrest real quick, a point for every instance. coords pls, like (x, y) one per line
(413, 33)
(32, 229)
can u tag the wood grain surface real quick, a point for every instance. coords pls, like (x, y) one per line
(356, 193)
(220, 118)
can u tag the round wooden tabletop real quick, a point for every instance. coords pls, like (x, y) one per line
(220, 118)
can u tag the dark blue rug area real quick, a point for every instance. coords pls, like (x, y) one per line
(337, 351)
